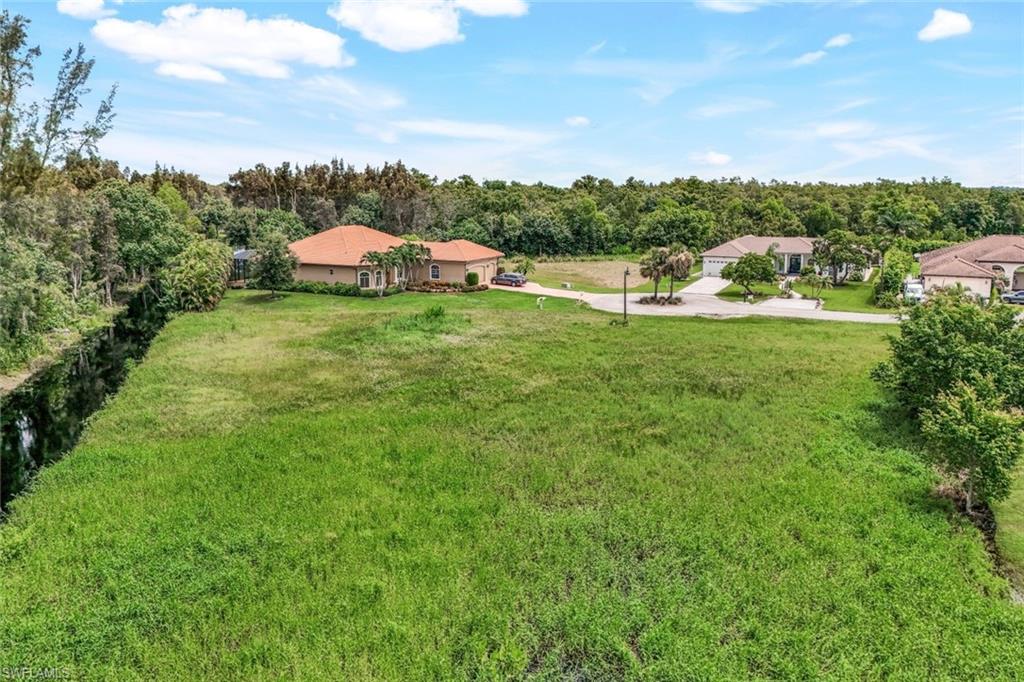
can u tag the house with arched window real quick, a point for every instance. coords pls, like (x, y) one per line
(339, 255)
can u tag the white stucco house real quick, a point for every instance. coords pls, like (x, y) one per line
(976, 265)
(791, 253)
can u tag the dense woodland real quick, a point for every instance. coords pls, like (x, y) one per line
(75, 227)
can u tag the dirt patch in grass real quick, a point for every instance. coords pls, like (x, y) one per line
(604, 273)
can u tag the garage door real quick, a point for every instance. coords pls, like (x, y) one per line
(713, 266)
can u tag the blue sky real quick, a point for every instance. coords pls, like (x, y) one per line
(547, 91)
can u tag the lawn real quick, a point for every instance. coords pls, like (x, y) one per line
(734, 292)
(855, 297)
(332, 488)
(599, 276)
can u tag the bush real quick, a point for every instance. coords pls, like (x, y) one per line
(441, 287)
(196, 279)
(897, 264)
(472, 278)
(887, 300)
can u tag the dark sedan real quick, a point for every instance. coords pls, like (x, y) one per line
(1014, 297)
(509, 279)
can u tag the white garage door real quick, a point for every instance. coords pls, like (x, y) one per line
(712, 267)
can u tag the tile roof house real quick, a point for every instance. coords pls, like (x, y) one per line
(792, 253)
(337, 255)
(975, 265)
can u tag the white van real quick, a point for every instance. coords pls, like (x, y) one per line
(913, 292)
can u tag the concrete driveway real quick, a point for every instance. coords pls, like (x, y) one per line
(709, 286)
(701, 305)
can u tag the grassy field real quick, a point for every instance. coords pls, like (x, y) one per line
(604, 276)
(331, 488)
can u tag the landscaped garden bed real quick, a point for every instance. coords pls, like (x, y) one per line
(438, 287)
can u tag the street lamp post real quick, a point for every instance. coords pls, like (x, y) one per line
(625, 274)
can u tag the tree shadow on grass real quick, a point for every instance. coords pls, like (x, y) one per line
(264, 298)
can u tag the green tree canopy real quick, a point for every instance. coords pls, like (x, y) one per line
(751, 268)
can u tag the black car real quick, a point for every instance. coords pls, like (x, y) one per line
(1014, 297)
(509, 279)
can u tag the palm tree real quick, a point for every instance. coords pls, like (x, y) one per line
(381, 261)
(408, 256)
(652, 266)
(678, 266)
(524, 266)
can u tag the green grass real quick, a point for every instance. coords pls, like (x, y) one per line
(734, 292)
(858, 297)
(331, 488)
(1010, 529)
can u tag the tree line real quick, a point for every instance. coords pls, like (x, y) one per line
(75, 227)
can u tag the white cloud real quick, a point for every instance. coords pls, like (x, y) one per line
(710, 158)
(729, 107)
(809, 58)
(732, 6)
(945, 24)
(468, 130)
(84, 9)
(577, 121)
(200, 44)
(407, 25)
(494, 8)
(595, 48)
(348, 94)
(841, 40)
(190, 72)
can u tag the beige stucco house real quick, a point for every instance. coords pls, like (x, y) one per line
(976, 265)
(791, 253)
(337, 255)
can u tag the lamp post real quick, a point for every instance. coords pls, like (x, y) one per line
(625, 274)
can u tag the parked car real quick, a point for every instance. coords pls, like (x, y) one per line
(1014, 297)
(913, 292)
(509, 279)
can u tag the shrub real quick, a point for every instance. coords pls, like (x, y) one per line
(896, 265)
(196, 279)
(273, 267)
(472, 278)
(974, 438)
(951, 339)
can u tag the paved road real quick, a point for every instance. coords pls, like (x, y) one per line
(702, 305)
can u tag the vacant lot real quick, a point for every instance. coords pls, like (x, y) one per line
(319, 487)
(598, 276)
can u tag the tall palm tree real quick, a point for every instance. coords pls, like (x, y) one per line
(678, 265)
(652, 266)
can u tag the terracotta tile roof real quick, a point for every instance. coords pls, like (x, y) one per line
(342, 245)
(347, 244)
(974, 259)
(747, 243)
(461, 250)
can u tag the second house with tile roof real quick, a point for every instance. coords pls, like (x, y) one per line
(339, 255)
(791, 253)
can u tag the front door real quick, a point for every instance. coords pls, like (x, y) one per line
(794, 265)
